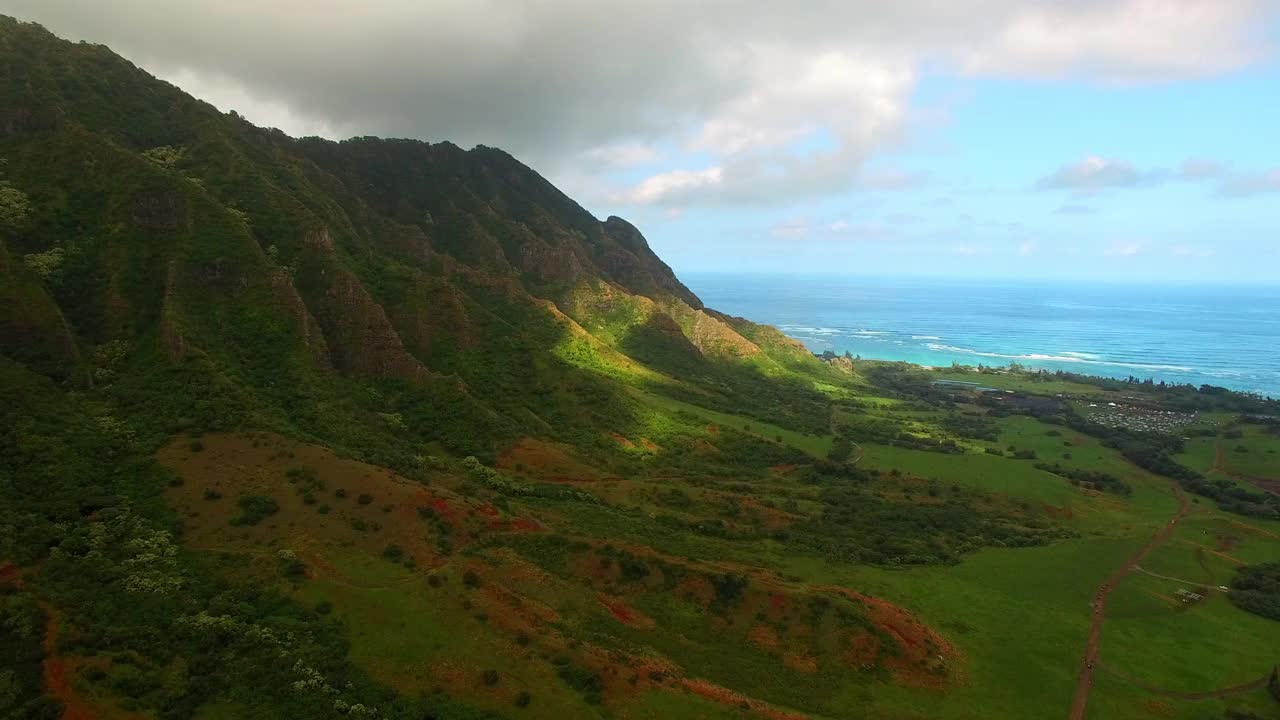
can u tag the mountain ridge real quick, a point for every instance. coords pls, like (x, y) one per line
(378, 258)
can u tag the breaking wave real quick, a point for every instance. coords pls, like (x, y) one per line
(1062, 358)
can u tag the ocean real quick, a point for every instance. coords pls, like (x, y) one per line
(1202, 335)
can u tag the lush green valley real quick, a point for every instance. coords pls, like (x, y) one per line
(381, 428)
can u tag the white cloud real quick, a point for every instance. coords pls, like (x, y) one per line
(1198, 169)
(675, 185)
(775, 101)
(839, 226)
(1027, 248)
(1092, 173)
(1252, 183)
(1123, 42)
(1095, 173)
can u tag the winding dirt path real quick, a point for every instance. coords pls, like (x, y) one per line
(1205, 585)
(56, 680)
(1084, 682)
(1269, 485)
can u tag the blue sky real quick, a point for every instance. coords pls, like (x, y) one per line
(1113, 140)
(978, 205)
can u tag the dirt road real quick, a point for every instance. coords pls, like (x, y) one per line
(56, 680)
(1084, 682)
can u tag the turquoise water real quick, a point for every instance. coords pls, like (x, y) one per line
(1215, 335)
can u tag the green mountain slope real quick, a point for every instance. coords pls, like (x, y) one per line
(383, 428)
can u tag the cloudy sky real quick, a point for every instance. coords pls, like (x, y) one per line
(1087, 139)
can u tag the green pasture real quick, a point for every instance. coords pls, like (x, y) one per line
(816, 445)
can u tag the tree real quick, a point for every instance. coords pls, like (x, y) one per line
(14, 206)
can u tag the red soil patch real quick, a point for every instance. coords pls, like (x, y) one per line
(801, 662)
(488, 510)
(1059, 513)
(725, 696)
(1160, 708)
(702, 447)
(594, 570)
(771, 518)
(624, 613)
(514, 614)
(56, 682)
(621, 440)
(713, 429)
(1227, 542)
(924, 657)
(864, 650)
(544, 460)
(763, 636)
(649, 445)
(9, 575)
(441, 506)
(697, 589)
(782, 469)
(522, 524)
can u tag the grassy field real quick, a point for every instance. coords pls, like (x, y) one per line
(1015, 619)
(1019, 626)
(1024, 383)
(1257, 454)
(1170, 640)
(815, 445)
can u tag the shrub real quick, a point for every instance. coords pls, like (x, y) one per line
(729, 588)
(490, 677)
(197, 446)
(254, 509)
(211, 494)
(523, 699)
(364, 499)
(290, 564)
(584, 681)
(1256, 588)
(470, 579)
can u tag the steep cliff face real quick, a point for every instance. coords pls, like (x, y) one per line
(282, 262)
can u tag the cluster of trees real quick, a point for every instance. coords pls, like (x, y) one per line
(859, 525)
(971, 425)
(887, 432)
(81, 502)
(1256, 588)
(1092, 479)
(21, 654)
